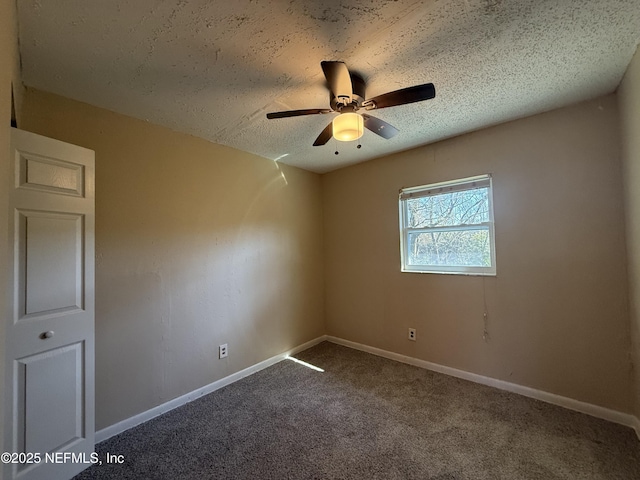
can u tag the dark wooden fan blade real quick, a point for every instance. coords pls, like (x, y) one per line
(417, 93)
(339, 80)
(297, 113)
(379, 127)
(325, 136)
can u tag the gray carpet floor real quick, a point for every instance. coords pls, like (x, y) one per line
(367, 417)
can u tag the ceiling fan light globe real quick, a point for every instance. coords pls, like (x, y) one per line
(348, 127)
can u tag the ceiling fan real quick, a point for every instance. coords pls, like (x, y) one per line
(346, 97)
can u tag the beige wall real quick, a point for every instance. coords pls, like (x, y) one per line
(629, 101)
(9, 74)
(557, 310)
(196, 245)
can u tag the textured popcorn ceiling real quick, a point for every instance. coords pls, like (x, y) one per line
(213, 69)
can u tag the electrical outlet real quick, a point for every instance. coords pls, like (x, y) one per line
(412, 334)
(222, 351)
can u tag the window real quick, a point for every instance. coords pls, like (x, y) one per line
(448, 227)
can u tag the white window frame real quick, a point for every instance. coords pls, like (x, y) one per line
(437, 189)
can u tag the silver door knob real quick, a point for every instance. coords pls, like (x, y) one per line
(45, 335)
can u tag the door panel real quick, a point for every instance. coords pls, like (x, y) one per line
(50, 339)
(51, 378)
(50, 174)
(51, 261)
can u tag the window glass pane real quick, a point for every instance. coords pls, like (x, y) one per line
(469, 248)
(467, 207)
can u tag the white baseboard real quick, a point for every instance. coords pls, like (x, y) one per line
(131, 422)
(636, 426)
(569, 403)
(583, 407)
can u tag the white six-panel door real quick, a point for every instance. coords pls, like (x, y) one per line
(50, 331)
